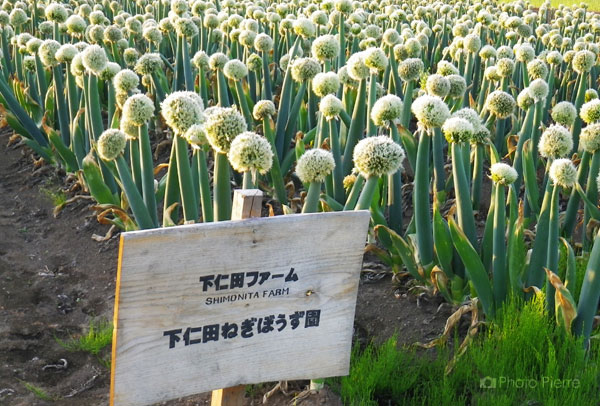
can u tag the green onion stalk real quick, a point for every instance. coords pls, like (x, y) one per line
(562, 175)
(539, 252)
(110, 146)
(579, 99)
(61, 104)
(357, 126)
(312, 169)
(199, 154)
(502, 175)
(374, 158)
(275, 172)
(285, 104)
(188, 199)
(570, 220)
(589, 295)
(477, 172)
(421, 202)
(394, 200)
(466, 219)
(147, 173)
(591, 191)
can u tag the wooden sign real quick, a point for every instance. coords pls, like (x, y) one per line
(207, 306)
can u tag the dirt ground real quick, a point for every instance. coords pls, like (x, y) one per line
(55, 279)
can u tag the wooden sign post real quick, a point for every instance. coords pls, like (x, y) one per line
(216, 305)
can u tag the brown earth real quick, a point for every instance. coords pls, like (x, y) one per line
(55, 279)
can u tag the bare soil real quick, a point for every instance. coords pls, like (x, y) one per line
(55, 279)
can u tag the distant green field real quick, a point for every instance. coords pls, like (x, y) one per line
(593, 4)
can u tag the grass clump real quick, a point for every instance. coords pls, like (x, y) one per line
(57, 196)
(38, 392)
(523, 358)
(98, 337)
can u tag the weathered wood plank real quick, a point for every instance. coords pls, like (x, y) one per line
(246, 204)
(160, 291)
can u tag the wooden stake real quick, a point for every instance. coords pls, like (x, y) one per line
(247, 203)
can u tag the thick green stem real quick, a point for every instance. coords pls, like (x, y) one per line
(421, 202)
(140, 212)
(186, 190)
(368, 191)
(222, 188)
(205, 197)
(357, 126)
(552, 250)
(499, 247)
(477, 176)
(147, 168)
(311, 202)
(464, 208)
(172, 191)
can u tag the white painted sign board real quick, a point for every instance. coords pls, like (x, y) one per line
(207, 306)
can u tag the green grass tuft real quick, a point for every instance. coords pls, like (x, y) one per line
(97, 338)
(523, 350)
(38, 392)
(57, 196)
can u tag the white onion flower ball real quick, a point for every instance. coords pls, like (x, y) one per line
(148, 64)
(411, 69)
(111, 144)
(263, 109)
(138, 109)
(556, 142)
(357, 69)
(457, 130)
(250, 152)
(583, 61)
(94, 59)
(330, 106)
(222, 125)
(125, 81)
(196, 136)
(590, 95)
(564, 113)
(66, 53)
(590, 138)
(325, 83)
(181, 111)
(537, 69)
(563, 173)
(235, 70)
(524, 99)
(438, 85)
(470, 115)
(377, 156)
(430, 111)
(217, 61)
(47, 52)
(458, 86)
(305, 69)
(386, 110)
(263, 42)
(538, 90)
(445, 68)
(500, 104)
(315, 165)
(590, 111)
(375, 59)
(325, 47)
(503, 174)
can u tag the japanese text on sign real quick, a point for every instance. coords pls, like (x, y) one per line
(245, 329)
